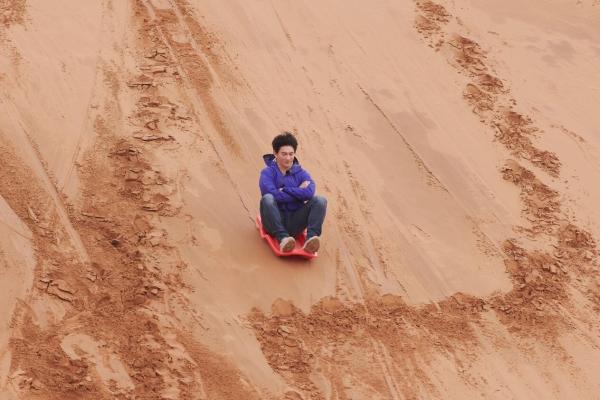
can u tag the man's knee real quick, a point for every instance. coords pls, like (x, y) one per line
(321, 201)
(268, 200)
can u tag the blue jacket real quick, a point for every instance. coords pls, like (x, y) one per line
(291, 197)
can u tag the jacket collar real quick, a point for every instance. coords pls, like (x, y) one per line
(269, 160)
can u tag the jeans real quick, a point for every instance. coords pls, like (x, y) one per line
(281, 224)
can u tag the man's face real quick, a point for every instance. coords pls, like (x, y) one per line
(285, 157)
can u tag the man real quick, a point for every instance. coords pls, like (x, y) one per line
(288, 204)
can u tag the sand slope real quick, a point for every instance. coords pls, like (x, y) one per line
(457, 144)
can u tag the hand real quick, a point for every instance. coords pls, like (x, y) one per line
(304, 184)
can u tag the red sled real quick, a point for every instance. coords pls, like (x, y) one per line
(274, 244)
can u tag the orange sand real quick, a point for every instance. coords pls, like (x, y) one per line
(458, 144)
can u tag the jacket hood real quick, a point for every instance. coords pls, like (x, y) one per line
(269, 160)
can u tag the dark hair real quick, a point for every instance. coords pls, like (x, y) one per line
(284, 139)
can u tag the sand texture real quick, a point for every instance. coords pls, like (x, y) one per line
(457, 143)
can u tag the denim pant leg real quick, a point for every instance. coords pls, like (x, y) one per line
(310, 216)
(271, 217)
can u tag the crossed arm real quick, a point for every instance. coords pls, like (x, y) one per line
(304, 192)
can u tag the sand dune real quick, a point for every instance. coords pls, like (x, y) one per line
(458, 145)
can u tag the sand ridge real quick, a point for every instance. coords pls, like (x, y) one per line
(150, 282)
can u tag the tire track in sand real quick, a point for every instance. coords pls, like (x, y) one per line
(300, 346)
(542, 279)
(198, 74)
(100, 329)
